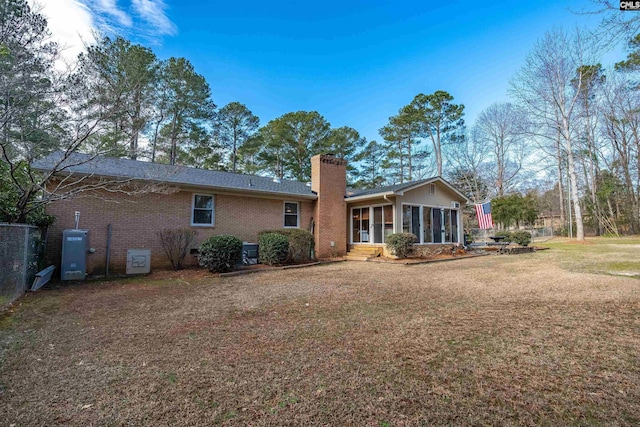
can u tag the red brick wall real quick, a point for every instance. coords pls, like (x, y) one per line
(136, 220)
(329, 181)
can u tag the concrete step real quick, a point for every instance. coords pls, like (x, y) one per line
(365, 249)
(362, 253)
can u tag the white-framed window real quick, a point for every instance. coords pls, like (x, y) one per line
(430, 224)
(202, 210)
(291, 214)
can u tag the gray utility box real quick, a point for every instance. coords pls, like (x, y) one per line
(138, 261)
(75, 244)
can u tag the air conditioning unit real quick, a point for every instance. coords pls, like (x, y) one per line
(455, 205)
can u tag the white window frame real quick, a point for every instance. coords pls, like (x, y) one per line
(213, 210)
(284, 215)
(371, 207)
(442, 221)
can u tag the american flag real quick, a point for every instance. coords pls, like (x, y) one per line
(483, 212)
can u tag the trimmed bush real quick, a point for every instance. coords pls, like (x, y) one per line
(274, 248)
(506, 234)
(176, 243)
(400, 244)
(522, 238)
(220, 253)
(301, 243)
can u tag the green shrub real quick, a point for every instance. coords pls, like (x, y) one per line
(220, 253)
(506, 234)
(273, 248)
(301, 243)
(401, 244)
(523, 238)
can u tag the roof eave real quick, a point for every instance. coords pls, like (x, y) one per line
(371, 196)
(203, 186)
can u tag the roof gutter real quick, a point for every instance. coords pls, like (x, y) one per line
(371, 196)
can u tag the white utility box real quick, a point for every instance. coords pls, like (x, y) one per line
(138, 261)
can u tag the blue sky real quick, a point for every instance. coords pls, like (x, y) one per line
(355, 62)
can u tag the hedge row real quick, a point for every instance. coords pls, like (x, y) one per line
(287, 246)
(301, 243)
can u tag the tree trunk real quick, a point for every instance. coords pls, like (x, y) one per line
(573, 183)
(560, 181)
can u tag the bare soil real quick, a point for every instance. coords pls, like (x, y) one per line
(492, 340)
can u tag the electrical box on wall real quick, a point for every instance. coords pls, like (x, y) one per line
(138, 261)
(75, 244)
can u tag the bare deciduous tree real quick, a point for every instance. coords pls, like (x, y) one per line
(501, 127)
(548, 87)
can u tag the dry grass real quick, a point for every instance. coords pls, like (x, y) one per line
(492, 340)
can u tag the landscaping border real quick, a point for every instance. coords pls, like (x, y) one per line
(428, 261)
(284, 267)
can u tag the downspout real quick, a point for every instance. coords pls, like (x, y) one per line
(108, 260)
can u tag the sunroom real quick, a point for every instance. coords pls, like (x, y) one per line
(430, 209)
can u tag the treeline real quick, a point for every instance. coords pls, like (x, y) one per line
(574, 124)
(120, 99)
(569, 138)
(163, 112)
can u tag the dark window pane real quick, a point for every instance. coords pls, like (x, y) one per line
(291, 208)
(406, 219)
(437, 225)
(202, 216)
(291, 220)
(454, 226)
(203, 202)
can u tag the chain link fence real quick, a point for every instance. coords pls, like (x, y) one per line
(20, 252)
(538, 234)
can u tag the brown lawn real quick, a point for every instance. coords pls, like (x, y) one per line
(495, 340)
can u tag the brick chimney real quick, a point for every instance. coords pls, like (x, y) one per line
(329, 181)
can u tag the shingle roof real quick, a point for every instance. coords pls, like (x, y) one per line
(387, 189)
(133, 169)
(399, 188)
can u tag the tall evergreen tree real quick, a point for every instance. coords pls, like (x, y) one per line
(345, 142)
(235, 125)
(370, 172)
(189, 107)
(440, 120)
(125, 77)
(401, 135)
(290, 142)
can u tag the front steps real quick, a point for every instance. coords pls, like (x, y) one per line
(363, 253)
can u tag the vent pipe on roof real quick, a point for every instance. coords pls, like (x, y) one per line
(250, 183)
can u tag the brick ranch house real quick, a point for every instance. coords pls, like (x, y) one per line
(215, 202)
